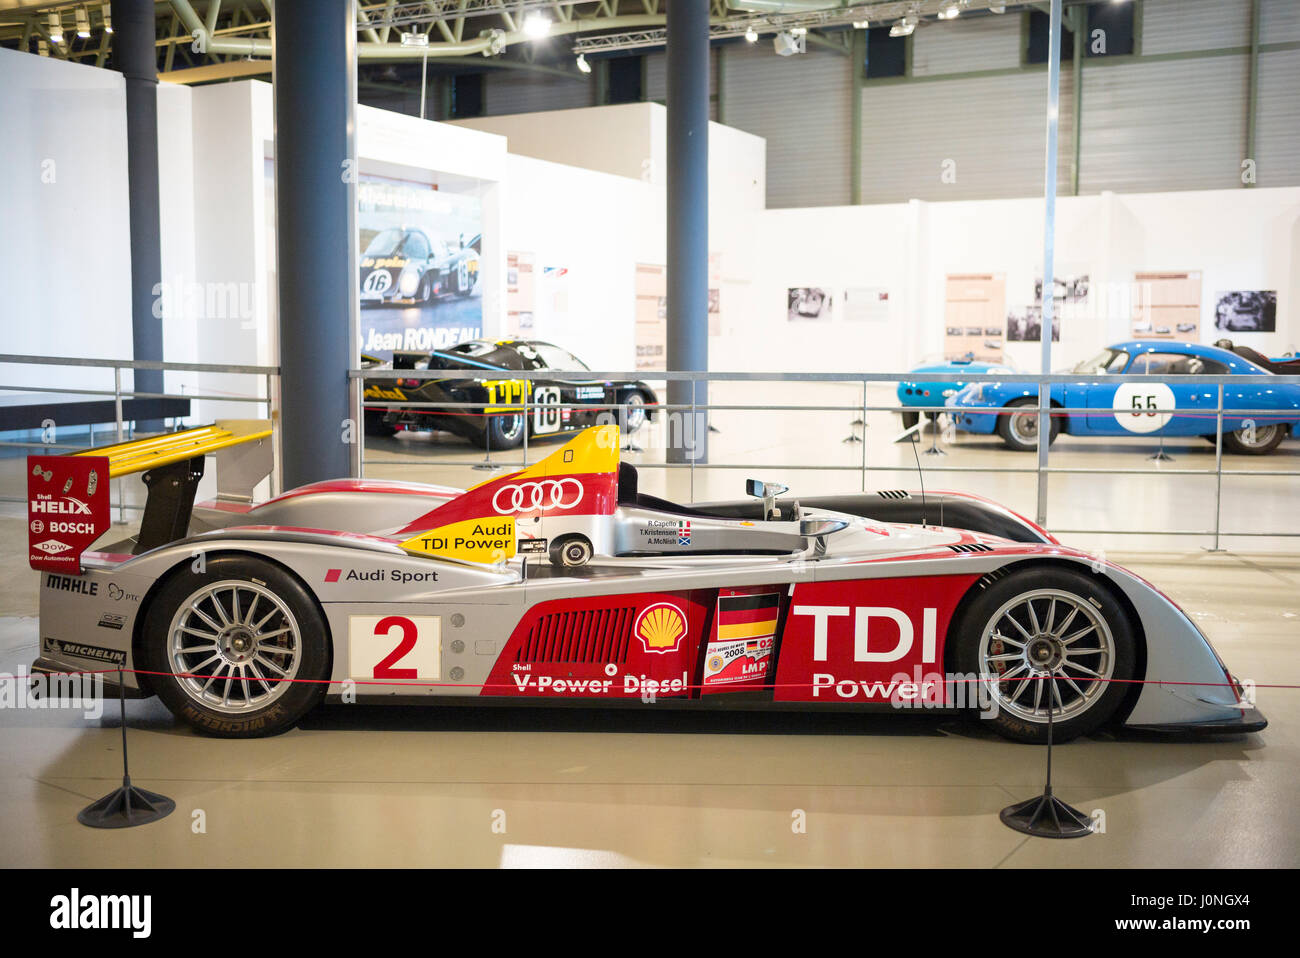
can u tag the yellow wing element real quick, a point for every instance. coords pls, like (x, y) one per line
(594, 450)
(486, 541)
(142, 454)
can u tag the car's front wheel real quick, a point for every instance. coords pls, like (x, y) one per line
(238, 650)
(571, 551)
(1018, 425)
(1047, 638)
(1254, 440)
(634, 411)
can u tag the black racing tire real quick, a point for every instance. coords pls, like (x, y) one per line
(503, 431)
(1014, 428)
(253, 709)
(1259, 442)
(375, 425)
(1085, 611)
(571, 551)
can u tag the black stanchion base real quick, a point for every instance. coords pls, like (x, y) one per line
(1160, 456)
(632, 447)
(126, 807)
(851, 439)
(713, 428)
(1046, 816)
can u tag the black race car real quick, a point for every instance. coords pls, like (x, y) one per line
(555, 406)
(405, 266)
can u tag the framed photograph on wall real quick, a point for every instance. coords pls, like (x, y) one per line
(809, 302)
(1246, 311)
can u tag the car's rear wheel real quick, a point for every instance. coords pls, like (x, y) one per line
(1254, 441)
(503, 431)
(239, 650)
(1018, 425)
(1047, 637)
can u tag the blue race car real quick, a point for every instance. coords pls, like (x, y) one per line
(1134, 408)
(935, 392)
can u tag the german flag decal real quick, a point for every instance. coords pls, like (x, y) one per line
(741, 651)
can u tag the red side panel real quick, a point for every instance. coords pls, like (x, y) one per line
(619, 646)
(873, 640)
(67, 509)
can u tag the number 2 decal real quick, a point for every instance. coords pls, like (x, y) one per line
(394, 648)
(385, 669)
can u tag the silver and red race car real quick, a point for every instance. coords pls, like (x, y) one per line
(562, 583)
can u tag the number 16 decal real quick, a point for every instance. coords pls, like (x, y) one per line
(394, 648)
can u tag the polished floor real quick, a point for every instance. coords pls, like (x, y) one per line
(373, 785)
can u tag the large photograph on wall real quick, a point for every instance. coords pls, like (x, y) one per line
(1246, 311)
(421, 264)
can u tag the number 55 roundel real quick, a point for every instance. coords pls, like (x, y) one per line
(393, 648)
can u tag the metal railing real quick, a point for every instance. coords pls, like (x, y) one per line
(1041, 385)
(123, 426)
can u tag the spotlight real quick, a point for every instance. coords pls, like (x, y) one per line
(106, 11)
(861, 24)
(751, 35)
(903, 28)
(83, 23)
(798, 31)
(788, 43)
(537, 25)
(997, 8)
(415, 39)
(949, 12)
(583, 65)
(42, 47)
(56, 27)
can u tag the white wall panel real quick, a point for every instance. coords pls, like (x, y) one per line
(1167, 125)
(1277, 134)
(802, 106)
(1279, 21)
(519, 91)
(959, 46)
(1174, 26)
(993, 128)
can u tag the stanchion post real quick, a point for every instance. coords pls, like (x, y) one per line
(129, 805)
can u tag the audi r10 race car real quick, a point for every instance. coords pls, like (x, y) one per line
(563, 583)
(1255, 421)
(496, 419)
(406, 266)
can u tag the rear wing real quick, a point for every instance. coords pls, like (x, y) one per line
(67, 495)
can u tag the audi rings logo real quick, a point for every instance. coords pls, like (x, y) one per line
(546, 494)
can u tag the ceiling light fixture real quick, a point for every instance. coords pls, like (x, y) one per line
(751, 35)
(861, 24)
(415, 39)
(536, 25)
(950, 12)
(56, 27)
(903, 28)
(83, 23)
(583, 65)
(106, 11)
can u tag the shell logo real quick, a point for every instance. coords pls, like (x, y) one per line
(661, 627)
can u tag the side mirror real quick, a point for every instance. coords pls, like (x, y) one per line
(767, 491)
(818, 530)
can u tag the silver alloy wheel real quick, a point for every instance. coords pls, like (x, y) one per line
(1024, 427)
(511, 426)
(634, 415)
(1260, 437)
(1046, 647)
(235, 644)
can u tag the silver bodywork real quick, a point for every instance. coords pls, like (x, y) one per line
(90, 621)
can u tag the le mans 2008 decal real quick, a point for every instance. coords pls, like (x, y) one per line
(741, 649)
